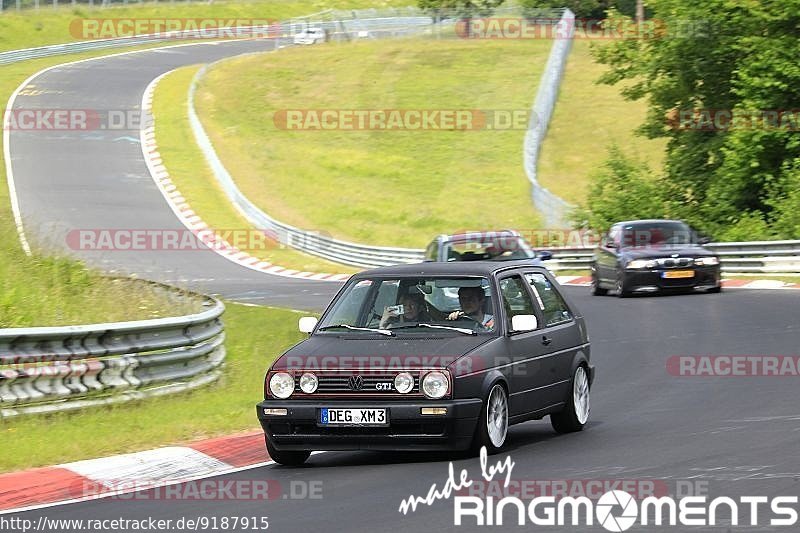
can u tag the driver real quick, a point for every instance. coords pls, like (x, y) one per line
(471, 300)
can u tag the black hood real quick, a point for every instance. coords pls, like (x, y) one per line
(367, 351)
(666, 250)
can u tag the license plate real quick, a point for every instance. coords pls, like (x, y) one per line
(678, 274)
(353, 417)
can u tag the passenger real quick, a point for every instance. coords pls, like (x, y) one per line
(471, 300)
(414, 311)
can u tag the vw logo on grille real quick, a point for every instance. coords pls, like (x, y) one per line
(355, 382)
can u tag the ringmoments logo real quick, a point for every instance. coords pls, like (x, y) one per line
(618, 510)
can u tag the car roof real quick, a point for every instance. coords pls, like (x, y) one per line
(472, 234)
(453, 268)
(649, 221)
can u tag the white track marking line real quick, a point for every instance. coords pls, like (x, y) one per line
(12, 189)
(186, 216)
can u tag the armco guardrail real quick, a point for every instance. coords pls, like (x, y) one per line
(283, 31)
(759, 257)
(47, 369)
(552, 208)
(14, 56)
(308, 241)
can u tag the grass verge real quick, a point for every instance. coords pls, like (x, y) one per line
(390, 187)
(29, 28)
(255, 337)
(193, 177)
(587, 120)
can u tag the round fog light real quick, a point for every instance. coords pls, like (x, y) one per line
(281, 385)
(434, 384)
(403, 382)
(308, 383)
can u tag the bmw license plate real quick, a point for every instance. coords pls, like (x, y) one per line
(678, 274)
(353, 417)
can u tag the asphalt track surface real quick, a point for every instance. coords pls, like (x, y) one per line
(98, 180)
(738, 435)
(733, 436)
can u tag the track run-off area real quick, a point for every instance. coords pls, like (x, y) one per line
(729, 436)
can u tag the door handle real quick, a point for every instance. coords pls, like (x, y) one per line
(546, 340)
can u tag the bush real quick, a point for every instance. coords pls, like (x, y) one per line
(623, 190)
(593, 9)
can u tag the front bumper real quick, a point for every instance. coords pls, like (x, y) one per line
(408, 429)
(652, 280)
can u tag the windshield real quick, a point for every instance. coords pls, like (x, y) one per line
(656, 234)
(460, 305)
(497, 248)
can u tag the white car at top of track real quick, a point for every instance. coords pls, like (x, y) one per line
(310, 36)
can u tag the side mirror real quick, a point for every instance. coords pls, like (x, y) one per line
(544, 255)
(307, 324)
(611, 244)
(702, 241)
(524, 323)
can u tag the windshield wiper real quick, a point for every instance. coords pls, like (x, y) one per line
(347, 326)
(465, 331)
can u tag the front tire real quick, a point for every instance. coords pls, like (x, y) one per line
(286, 457)
(622, 288)
(493, 422)
(576, 413)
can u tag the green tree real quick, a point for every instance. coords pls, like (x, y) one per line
(590, 9)
(720, 55)
(465, 8)
(623, 189)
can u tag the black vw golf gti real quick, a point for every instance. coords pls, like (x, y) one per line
(432, 356)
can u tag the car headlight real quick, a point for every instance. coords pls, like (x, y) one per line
(706, 261)
(308, 383)
(641, 263)
(403, 382)
(281, 385)
(435, 384)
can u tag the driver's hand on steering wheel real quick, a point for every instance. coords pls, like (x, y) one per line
(455, 315)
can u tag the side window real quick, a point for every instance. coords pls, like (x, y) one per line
(614, 235)
(516, 299)
(431, 251)
(551, 303)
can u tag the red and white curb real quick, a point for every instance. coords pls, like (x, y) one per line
(190, 219)
(123, 474)
(585, 281)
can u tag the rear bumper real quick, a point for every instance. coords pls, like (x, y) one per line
(653, 280)
(408, 429)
